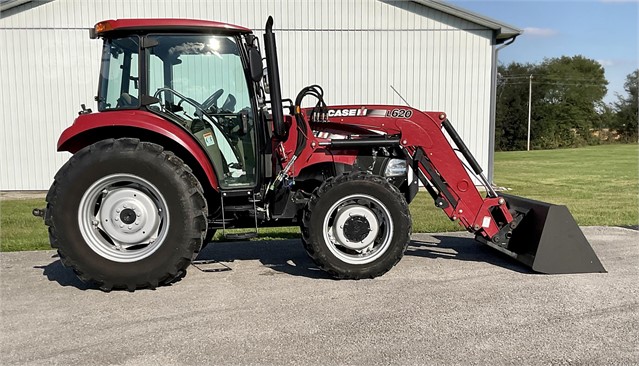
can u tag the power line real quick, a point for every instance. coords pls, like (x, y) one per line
(555, 83)
(591, 81)
(551, 77)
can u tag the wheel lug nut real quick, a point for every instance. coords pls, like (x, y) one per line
(125, 205)
(117, 210)
(137, 223)
(116, 219)
(138, 215)
(121, 225)
(129, 227)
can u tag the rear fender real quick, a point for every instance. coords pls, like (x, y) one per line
(89, 128)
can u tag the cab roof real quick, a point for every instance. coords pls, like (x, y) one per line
(165, 24)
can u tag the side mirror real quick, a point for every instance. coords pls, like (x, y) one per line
(255, 64)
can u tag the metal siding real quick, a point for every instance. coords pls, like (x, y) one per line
(43, 85)
(355, 49)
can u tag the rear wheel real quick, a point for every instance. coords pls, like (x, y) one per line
(356, 226)
(126, 214)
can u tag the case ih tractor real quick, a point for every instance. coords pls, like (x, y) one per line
(190, 137)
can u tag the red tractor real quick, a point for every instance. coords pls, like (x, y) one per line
(186, 141)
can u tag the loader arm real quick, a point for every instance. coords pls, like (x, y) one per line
(437, 165)
(442, 172)
(540, 235)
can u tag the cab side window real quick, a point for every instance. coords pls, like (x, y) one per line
(119, 87)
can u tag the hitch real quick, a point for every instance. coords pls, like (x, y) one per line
(39, 212)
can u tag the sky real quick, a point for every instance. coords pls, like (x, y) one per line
(602, 30)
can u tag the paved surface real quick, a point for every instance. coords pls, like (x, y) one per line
(21, 195)
(449, 301)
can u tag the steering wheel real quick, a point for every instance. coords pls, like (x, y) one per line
(212, 100)
(193, 101)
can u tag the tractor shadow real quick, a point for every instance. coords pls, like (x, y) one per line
(462, 249)
(283, 256)
(289, 256)
(65, 277)
(56, 272)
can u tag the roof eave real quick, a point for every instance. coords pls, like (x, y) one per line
(10, 4)
(503, 31)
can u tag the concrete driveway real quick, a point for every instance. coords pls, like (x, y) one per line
(449, 301)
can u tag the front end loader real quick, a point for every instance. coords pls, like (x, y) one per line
(191, 138)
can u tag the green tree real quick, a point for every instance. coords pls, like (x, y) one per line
(509, 128)
(604, 126)
(567, 102)
(575, 87)
(511, 123)
(627, 109)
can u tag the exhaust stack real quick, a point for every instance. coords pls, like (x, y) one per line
(274, 79)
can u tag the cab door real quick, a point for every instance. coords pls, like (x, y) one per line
(200, 80)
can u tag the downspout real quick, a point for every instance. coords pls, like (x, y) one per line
(493, 107)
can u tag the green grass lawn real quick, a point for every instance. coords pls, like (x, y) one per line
(599, 184)
(19, 229)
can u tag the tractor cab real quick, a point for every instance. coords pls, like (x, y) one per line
(195, 75)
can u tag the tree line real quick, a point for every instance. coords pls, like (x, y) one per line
(567, 107)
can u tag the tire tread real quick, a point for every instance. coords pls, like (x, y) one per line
(196, 199)
(329, 184)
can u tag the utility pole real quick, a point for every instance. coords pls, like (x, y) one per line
(529, 107)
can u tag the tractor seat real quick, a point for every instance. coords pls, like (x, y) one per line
(126, 100)
(197, 125)
(229, 104)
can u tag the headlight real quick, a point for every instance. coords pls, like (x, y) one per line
(395, 168)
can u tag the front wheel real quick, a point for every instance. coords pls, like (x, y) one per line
(126, 214)
(356, 226)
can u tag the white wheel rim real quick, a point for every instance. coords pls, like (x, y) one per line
(123, 218)
(365, 247)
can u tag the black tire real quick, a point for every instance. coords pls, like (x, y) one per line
(179, 228)
(351, 193)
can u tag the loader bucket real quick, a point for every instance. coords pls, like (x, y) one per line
(548, 239)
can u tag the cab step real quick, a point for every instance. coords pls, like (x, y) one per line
(244, 235)
(241, 236)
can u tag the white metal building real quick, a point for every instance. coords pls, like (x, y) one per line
(440, 57)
